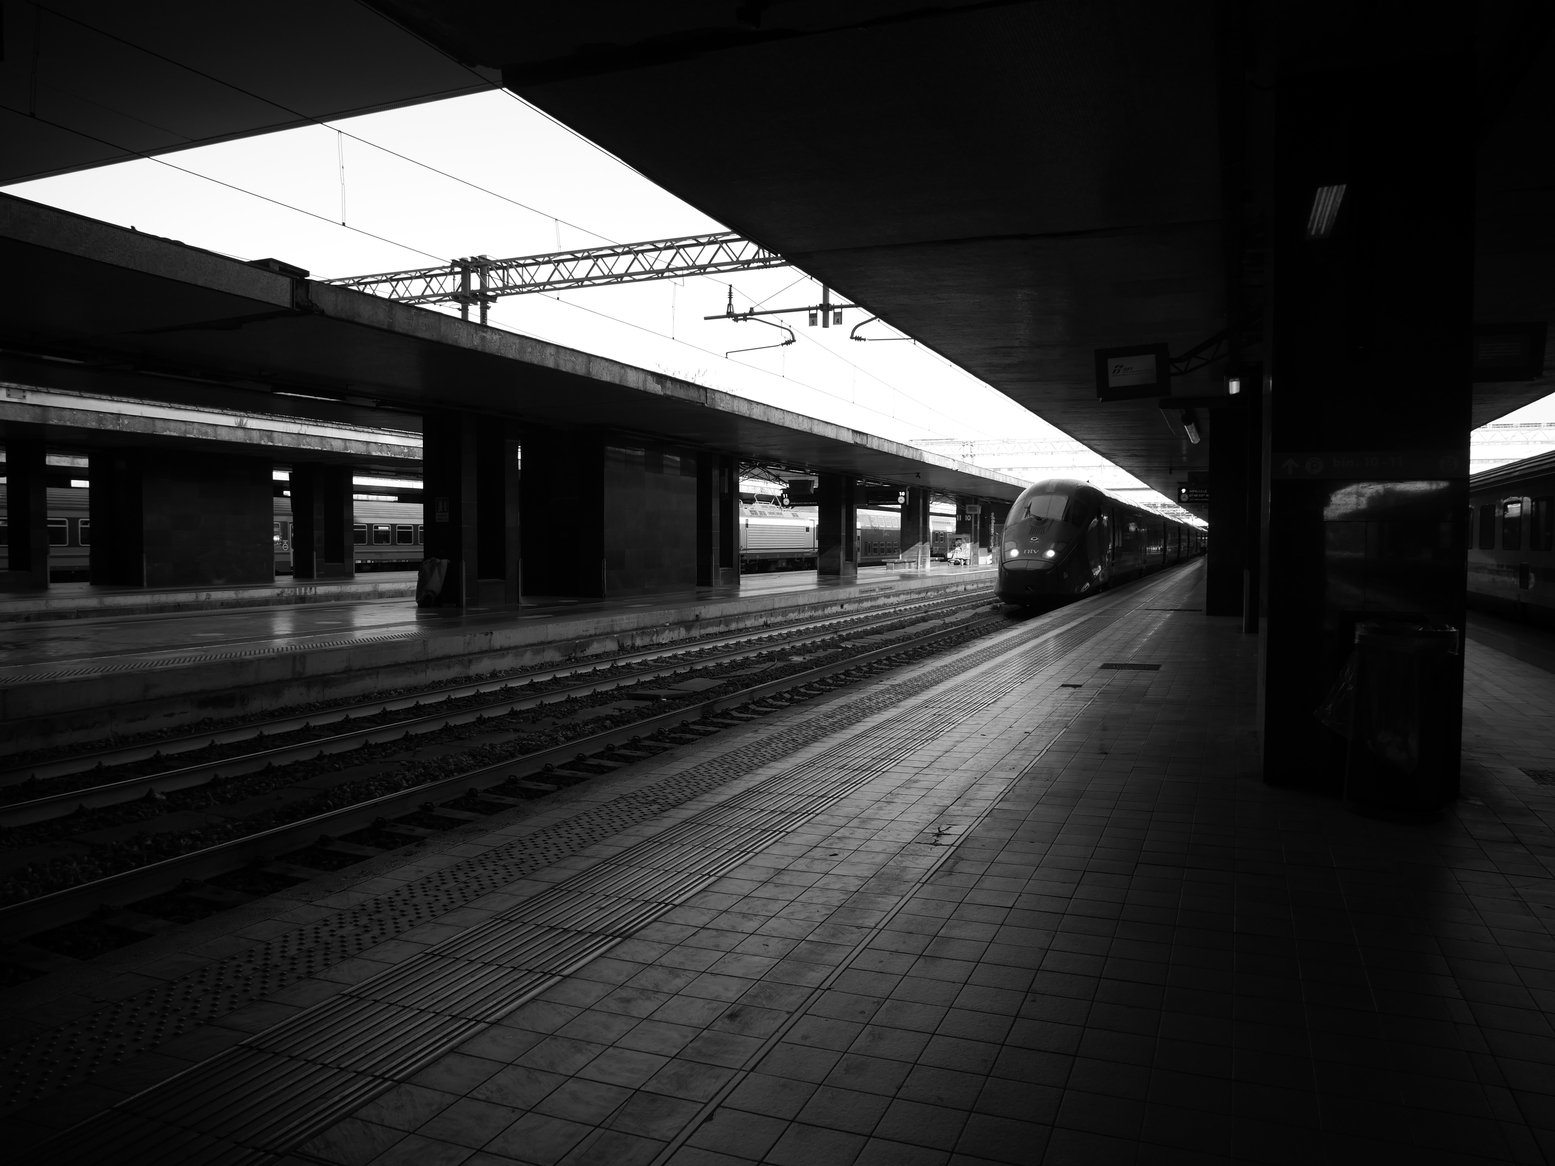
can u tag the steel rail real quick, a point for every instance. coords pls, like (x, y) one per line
(124, 755)
(19, 920)
(129, 789)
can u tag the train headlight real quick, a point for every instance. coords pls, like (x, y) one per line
(1049, 553)
(1011, 551)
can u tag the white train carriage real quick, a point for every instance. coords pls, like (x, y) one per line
(773, 538)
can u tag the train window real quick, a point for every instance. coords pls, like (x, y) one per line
(1487, 528)
(382, 535)
(84, 532)
(1541, 525)
(405, 536)
(359, 535)
(419, 532)
(275, 533)
(59, 532)
(1512, 524)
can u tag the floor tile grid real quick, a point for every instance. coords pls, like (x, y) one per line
(616, 1149)
(284, 946)
(885, 1096)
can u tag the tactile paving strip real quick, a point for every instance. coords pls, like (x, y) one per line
(72, 1053)
(386, 1028)
(33, 674)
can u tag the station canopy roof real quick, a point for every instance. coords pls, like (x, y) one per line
(92, 307)
(1015, 184)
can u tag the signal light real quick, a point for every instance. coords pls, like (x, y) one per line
(812, 317)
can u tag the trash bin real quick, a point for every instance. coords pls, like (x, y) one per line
(1402, 759)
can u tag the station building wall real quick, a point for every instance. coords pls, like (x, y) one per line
(206, 521)
(650, 516)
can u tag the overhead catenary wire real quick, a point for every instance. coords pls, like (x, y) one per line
(325, 123)
(342, 135)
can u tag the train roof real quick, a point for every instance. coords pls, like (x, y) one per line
(1074, 485)
(1537, 466)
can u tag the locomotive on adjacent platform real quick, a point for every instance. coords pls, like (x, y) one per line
(1063, 539)
(1512, 540)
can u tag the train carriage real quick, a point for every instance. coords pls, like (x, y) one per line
(1511, 529)
(1064, 538)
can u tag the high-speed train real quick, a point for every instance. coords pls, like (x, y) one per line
(1512, 540)
(1063, 539)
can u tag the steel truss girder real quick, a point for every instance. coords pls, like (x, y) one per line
(479, 280)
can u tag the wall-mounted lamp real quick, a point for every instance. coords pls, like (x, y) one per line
(1233, 386)
(1190, 426)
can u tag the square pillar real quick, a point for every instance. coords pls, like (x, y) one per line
(498, 553)
(27, 517)
(321, 522)
(1229, 487)
(471, 507)
(1367, 393)
(718, 518)
(115, 505)
(915, 545)
(985, 538)
(562, 523)
(836, 526)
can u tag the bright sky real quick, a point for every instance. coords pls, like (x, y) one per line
(488, 174)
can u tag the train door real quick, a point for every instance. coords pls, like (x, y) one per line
(1098, 547)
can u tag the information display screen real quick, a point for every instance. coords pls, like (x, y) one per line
(1138, 371)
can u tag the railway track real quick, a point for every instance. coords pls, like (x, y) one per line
(405, 816)
(691, 654)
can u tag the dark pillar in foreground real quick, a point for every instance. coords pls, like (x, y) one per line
(321, 522)
(836, 542)
(1368, 396)
(915, 527)
(470, 507)
(27, 517)
(718, 518)
(118, 549)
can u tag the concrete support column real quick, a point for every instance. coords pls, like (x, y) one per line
(718, 519)
(27, 515)
(966, 529)
(499, 554)
(321, 522)
(471, 507)
(117, 511)
(1229, 487)
(207, 520)
(562, 520)
(915, 539)
(836, 526)
(985, 540)
(1371, 335)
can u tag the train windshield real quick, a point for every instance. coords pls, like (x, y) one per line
(1043, 524)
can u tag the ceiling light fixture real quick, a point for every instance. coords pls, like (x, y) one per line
(1325, 209)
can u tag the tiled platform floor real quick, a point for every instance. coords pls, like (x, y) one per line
(1074, 928)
